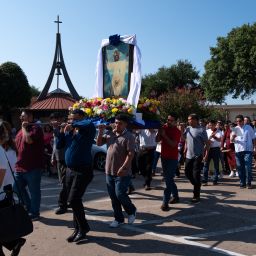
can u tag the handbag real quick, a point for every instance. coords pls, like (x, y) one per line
(14, 219)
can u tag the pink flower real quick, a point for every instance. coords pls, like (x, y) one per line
(105, 107)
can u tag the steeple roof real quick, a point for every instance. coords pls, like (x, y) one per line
(58, 66)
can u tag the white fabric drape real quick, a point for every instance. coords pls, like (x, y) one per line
(135, 81)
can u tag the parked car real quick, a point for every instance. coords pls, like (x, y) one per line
(99, 156)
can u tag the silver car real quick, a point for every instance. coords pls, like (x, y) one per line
(99, 156)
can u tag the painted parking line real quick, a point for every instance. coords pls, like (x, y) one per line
(177, 239)
(45, 189)
(58, 188)
(222, 232)
(182, 240)
(49, 206)
(107, 199)
(200, 215)
(89, 192)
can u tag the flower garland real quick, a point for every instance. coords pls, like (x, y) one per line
(109, 107)
(104, 108)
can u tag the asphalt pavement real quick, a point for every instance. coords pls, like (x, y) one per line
(223, 223)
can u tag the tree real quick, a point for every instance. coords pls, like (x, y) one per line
(14, 88)
(232, 67)
(34, 91)
(184, 102)
(180, 75)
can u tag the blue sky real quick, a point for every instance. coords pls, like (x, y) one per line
(166, 30)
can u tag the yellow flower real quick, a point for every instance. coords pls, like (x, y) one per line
(76, 105)
(88, 111)
(130, 110)
(114, 110)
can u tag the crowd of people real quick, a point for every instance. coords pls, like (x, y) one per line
(67, 145)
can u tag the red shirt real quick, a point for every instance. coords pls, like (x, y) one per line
(168, 152)
(48, 137)
(30, 156)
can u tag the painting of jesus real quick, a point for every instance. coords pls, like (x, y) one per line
(116, 70)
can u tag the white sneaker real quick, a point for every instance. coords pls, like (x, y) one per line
(115, 224)
(232, 174)
(131, 218)
(237, 175)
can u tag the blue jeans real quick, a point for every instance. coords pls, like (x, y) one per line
(117, 190)
(32, 180)
(244, 167)
(214, 154)
(169, 169)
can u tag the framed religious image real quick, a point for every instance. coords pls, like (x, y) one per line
(117, 69)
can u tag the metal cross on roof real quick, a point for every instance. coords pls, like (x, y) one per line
(58, 23)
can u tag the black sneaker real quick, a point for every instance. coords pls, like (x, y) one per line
(71, 238)
(34, 217)
(195, 200)
(79, 237)
(215, 183)
(249, 186)
(174, 200)
(16, 249)
(61, 210)
(147, 187)
(165, 207)
(131, 189)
